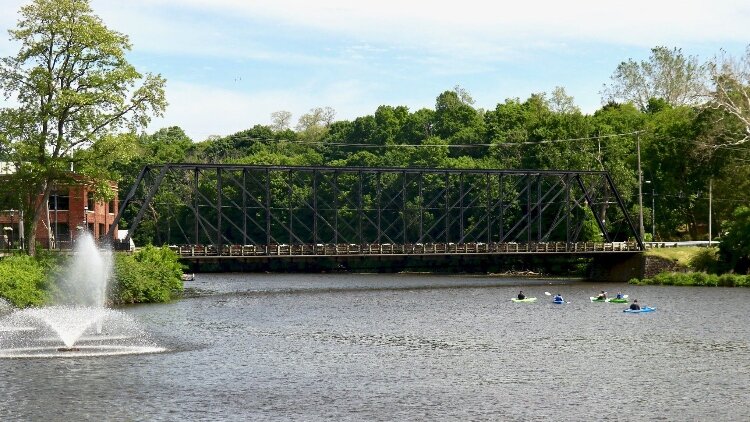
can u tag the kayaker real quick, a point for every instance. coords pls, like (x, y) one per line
(602, 296)
(619, 295)
(635, 306)
(521, 296)
(557, 298)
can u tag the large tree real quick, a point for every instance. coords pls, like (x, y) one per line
(667, 74)
(74, 93)
(731, 77)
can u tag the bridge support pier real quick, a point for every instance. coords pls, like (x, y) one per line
(617, 267)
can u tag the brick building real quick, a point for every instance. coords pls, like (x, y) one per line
(71, 208)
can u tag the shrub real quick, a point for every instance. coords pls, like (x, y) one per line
(705, 260)
(149, 275)
(695, 279)
(734, 248)
(24, 281)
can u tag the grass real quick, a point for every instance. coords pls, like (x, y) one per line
(681, 254)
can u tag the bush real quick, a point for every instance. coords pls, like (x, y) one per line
(24, 280)
(705, 260)
(734, 248)
(149, 275)
(695, 279)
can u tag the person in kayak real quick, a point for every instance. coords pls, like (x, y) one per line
(619, 295)
(521, 296)
(558, 298)
(635, 306)
(602, 296)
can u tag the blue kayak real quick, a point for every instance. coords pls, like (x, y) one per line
(558, 302)
(638, 311)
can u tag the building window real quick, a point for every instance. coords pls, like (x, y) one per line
(59, 201)
(112, 208)
(90, 201)
(62, 232)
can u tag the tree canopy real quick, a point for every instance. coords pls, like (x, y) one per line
(78, 99)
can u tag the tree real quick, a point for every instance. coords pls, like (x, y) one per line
(667, 74)
(731, 94)
(75, 92)
(734, 249)
(281, 120)
(312, 126)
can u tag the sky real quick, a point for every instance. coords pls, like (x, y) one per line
(229, 64)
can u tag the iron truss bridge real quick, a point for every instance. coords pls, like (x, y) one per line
(239, 210)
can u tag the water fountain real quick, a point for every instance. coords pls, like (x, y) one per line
(80, 324)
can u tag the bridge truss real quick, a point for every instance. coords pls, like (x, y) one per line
(260, 206)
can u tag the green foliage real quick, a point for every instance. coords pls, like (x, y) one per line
(74, 96)
(734, 248)
(695, 279)
(24, 280)
(667, 75)
(705, 260)
(150, 275)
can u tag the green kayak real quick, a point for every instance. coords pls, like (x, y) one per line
(595, 299)
(528, 299)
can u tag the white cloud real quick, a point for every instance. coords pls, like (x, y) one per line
(440, 25)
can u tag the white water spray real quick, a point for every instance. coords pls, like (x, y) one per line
(81, 322)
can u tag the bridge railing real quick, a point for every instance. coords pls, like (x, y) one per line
(375, 249)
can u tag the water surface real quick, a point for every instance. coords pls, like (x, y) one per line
(407, 347)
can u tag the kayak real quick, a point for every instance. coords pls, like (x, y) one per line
(558, 302)
(638, 311)
(608, 300)
(528, 299)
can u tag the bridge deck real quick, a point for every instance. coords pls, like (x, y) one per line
(385, 249)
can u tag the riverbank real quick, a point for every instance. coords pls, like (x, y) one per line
(686, 266)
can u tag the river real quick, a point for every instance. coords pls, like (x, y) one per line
(407, 347)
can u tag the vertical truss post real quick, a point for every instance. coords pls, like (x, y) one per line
(447, 208)
(219, 210)
(360, 210)
(196, 176)
(461, 205)
(335, 207)
(567, 212)
(488, 213)
(502, 208)
(421, 207)
(267, 205)
(244, 207)
(315, 207)
(403, 207)
(528, 208)
(379, 201)
(291, 208)
(539, 207)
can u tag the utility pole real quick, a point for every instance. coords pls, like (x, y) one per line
(653, 212)
(710, 200)
(640, 186)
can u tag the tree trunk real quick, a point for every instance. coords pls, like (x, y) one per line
(40, 206)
